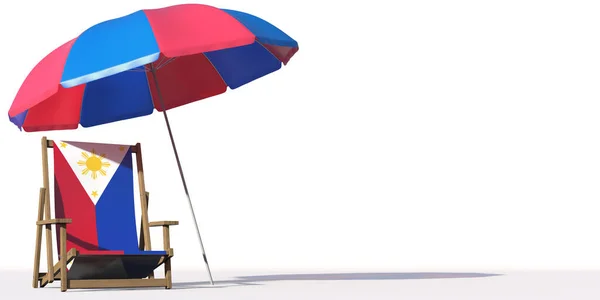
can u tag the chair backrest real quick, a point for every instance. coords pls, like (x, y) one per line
(94, 186)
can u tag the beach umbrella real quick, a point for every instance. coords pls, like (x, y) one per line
(151, 59)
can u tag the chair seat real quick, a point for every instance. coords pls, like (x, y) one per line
(103, 265)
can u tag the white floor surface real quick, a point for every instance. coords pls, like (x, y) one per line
(265, 285)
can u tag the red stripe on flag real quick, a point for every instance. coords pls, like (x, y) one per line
(72, 202)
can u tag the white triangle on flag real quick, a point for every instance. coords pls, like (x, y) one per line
(94, 164)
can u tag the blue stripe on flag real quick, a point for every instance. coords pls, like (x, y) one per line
(115, 211)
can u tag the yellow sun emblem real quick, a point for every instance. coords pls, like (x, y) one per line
(93, 163)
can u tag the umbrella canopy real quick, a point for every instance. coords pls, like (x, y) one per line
(104, 75)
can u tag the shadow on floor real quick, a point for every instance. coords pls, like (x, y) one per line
(260, 279)
(256, 280)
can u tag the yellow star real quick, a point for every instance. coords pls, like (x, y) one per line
(63, 144)
(121, 148)
(95, 194)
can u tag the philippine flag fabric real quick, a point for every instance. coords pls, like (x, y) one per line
(94, 186)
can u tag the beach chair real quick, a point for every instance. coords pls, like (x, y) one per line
(95, 220)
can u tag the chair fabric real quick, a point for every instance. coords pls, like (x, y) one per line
(94, 186)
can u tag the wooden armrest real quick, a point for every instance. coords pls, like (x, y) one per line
(54, 221)
(163, 223)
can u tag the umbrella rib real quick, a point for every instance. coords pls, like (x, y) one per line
(164, 63)
(159, 61)
(213, 65)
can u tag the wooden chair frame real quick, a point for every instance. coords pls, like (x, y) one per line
(58, 271)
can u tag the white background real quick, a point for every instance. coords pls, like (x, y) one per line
(439, 135)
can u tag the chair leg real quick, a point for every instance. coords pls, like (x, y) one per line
(36, 262)
(63, 258)
(168, 274)
(167, 247)
(38, 240)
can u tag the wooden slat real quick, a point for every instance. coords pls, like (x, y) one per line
(142, 188)
(163, 223)
(70, 256)
(167, 246)
(116, 283)
(63, 257)
(46, 185)
(142, 241)
(44, 277)
(54, 221)
(38, 238)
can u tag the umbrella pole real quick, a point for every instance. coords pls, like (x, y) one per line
(160, 99)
